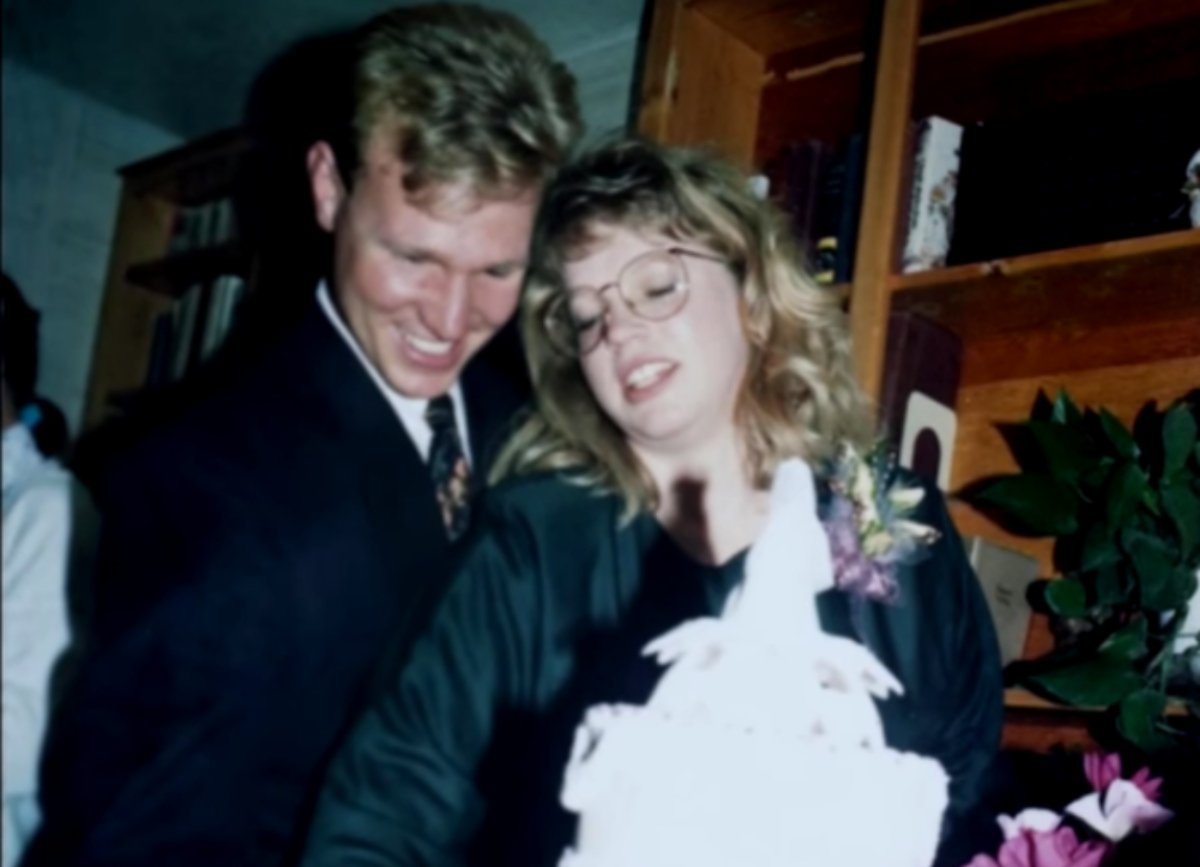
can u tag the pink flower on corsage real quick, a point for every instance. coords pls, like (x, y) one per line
(1103, 769)
(868, 524)
(1055, 848)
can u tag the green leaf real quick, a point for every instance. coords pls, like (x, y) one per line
(1118, 435)
(1099, 549)
(1065, 411)
(1067, 450)
(1138, 716)
(1039, 504)
(1128, 642)
(1126, 487)
(1163, 582)
(1179, 437)
(1108, 587)
(1097, 682)
(1067, 598)
(1183, 508)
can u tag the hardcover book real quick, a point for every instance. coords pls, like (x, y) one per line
(1005, 576)
(935, 165)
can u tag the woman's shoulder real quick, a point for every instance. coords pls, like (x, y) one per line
(551, 500)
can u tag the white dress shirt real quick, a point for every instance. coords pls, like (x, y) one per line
(37, 537)
(410, 410)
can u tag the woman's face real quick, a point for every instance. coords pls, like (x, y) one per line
(670, 385)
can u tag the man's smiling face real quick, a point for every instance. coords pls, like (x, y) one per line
(422, 285)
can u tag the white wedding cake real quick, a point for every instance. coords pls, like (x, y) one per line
(761, 744)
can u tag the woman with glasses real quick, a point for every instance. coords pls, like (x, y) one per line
(678, 354)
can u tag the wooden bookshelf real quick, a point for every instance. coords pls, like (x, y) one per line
(1115, 323)
(144, 278)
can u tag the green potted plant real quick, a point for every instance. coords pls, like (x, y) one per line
(1124, 508)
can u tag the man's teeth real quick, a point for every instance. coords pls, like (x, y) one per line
(644, 374)
(429, 347)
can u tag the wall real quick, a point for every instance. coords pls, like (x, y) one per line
(61, 151)
(604, 73)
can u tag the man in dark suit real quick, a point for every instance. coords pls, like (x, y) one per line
(264, 551)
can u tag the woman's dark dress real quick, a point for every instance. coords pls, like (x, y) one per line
(461, 759)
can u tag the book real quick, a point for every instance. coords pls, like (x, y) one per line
(934, 183)
(158, 366)
(186, 316)
(1004, 576)
(835, 223)
(797, 177)
(921, 373)
(225, 293)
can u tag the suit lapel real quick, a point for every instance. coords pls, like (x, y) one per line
(405, 527)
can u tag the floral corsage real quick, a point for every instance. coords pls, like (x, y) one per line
(870, 531)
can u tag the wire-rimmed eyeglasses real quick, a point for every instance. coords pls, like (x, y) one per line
(653, 285)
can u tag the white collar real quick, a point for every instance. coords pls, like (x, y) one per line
(410, 410)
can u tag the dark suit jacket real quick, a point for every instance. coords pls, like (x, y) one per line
(260, 555)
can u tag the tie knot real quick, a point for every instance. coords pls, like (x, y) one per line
(440, 413)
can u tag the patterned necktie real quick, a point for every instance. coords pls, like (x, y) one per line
(448, 467)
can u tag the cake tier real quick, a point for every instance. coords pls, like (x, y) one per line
(656, 792)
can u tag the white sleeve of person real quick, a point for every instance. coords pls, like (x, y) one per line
(37, 532)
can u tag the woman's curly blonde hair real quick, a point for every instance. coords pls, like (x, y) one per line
(799, 397)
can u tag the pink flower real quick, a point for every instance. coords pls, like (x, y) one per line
(1150, 786)
(1057, 848)
(1101, 769)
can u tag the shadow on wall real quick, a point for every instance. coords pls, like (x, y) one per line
(304, 95)
(299, 97)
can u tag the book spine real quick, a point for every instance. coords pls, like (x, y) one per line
(158, 368)
(226, 292)
(837, 209)
(187, 315)
(931, 202)
(798, 185)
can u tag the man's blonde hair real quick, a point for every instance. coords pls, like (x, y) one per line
(799, 397)
(466, 95)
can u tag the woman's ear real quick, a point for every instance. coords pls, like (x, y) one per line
(328, 191)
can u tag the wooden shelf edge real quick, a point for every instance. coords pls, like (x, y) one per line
(172, 275)
(1016, 698)
(1049, 259)
(1048, 16)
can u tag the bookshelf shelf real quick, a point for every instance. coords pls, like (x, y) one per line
(1023, 699)
(173, 275)
(1016, 265)
(1055, 53)
(1132, 301)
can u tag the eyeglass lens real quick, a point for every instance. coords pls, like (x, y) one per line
(653, 286)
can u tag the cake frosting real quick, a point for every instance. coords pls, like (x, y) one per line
(761, 744)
